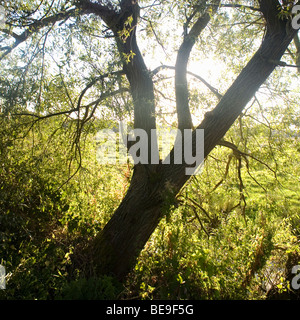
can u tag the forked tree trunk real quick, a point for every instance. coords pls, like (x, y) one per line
(120, 242)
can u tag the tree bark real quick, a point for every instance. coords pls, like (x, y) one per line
(125, 235)
(181, 84)
(118, 245)
(297, 44)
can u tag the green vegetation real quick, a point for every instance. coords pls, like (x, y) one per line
(69, 70)
(220, 241)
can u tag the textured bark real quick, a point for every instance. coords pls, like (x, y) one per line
(141, 84)
(152, 186)
(297, 44)
(125, 235)
(122, 239)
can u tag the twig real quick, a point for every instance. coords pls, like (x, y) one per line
(199, 220)
(210, 87)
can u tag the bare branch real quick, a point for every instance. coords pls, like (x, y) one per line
(199, 220)
(157, 39)
(233, 5)
(89, 85)
(38, 117)
(210, 87)
(103, 96)
(225, 174)
(235, 149)
(107, 95)
(280, 63)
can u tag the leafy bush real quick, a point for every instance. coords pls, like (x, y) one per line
(233, 233)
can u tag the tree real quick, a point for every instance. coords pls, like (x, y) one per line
(153, 186)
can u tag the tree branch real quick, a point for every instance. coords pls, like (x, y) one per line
(89, 85)
(278, 36)
(35, 27)
(297, 44)
(210, 87)
(106, 95)
(232, 5)
(181, 85)
(141, 84)
(106, 12)
(235, 149)
(102, 97)
(283, 63)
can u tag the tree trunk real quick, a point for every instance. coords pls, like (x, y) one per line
(125, 235)
(120, 242)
